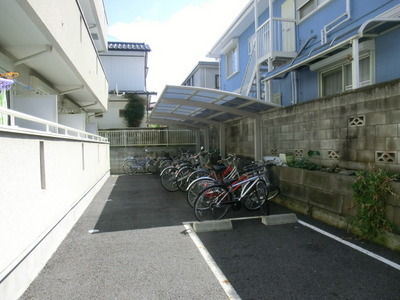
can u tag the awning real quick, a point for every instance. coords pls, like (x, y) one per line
(369, 29)
(196, 107)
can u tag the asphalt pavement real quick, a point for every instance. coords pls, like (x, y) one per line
(134, 241)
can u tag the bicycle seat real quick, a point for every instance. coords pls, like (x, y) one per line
(228, 181)
(219, 168)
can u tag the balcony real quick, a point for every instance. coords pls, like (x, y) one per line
(276, 40)
(54, 43)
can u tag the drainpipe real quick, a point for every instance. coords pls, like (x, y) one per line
(271, 41)
(293, 79)
(355, 65)
(271, 34)
(256, 49)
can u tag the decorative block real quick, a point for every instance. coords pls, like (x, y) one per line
(385, 156)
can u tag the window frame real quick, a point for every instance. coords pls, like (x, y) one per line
(232, 64)
(342, 65)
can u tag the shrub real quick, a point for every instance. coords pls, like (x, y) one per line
(370, 191)
(134, 110)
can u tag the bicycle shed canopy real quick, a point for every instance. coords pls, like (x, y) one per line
(198, 108)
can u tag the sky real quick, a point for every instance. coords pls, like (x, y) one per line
(180, 33)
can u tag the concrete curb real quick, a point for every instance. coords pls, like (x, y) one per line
(279, 219)
(217, 225)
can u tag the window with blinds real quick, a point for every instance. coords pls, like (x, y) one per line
(306, 7)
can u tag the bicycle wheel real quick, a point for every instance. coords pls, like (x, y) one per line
(211, 204)
(130, 166)
(257, 197)
(182, 176)
(168, 179)
(164, 164)
(196, 187)
(197, 174)
(151, 166)
(273, 191)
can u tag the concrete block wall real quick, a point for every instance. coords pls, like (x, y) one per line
(240, 137)
(350, 130)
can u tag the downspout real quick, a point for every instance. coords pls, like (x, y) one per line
(355, 65)
(256, 49)
(271, 30)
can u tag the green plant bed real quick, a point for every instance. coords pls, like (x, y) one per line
(304, 163)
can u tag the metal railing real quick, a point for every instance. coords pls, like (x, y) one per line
(149, 137)
(14, 121)
(282, 38)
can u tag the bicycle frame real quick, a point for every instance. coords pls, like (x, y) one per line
(244, 181)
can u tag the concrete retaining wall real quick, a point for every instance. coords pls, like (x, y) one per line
(46, 184)
(328, 197)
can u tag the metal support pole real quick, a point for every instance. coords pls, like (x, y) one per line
(222, 140)
(258, 138)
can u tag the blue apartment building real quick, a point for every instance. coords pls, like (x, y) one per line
(291, 51)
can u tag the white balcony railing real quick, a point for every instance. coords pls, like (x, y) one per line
(280, 43)
(9, 123)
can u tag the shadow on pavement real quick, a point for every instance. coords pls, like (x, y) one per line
(139, 202)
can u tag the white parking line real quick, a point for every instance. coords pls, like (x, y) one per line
(223, 281)
(362, 250)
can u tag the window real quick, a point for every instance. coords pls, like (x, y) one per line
(332, 82)
(232, 61)
(217, 81)
(306, 7)
(122, 113)
(339, 79)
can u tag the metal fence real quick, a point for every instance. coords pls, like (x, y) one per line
(149, 137)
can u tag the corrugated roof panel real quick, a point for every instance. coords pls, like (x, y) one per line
(205, 104)
(202, 99)
(176, 96)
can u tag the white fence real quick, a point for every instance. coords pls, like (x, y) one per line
(149, 137)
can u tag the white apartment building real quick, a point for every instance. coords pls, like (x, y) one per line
(126, 67)
(52, 161)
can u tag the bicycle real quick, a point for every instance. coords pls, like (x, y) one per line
(133, 164)
(174, 177)
(214, 174)
(250, 190)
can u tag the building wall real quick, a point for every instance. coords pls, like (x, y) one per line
(125, 72)
(47, 183)
(112, 119)
(70, 39)
(385, 59)
(203, 75)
